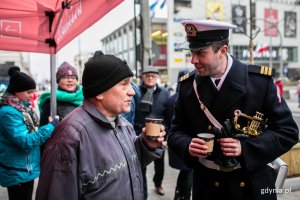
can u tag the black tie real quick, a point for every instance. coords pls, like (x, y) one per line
(217, 81)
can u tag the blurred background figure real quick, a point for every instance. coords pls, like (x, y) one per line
(298, 93)
(129, 116)
(68, 93)
(279, 85)
(185, 176)
(35, 96)
(20, 137)
(152, 103)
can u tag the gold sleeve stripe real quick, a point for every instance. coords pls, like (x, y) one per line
(262, 69)
(266, 70)
(184, 77)
(270, 71)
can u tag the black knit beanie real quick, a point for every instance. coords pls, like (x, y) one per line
(102, 72)
(19, 81)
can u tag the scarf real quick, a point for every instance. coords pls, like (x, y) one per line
(74, 98)
(148, 97)
(29, 116)
(147, 101)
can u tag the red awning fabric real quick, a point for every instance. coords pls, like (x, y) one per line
(45, 26)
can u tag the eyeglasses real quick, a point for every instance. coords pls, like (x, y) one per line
(151, 76)
(68, 77)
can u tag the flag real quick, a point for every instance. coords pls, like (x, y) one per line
(263, 48)
(163, 4)
(153, 5)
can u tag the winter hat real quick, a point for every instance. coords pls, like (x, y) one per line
(150, 69)
(65, 69)
(102, 72)
(19, 81)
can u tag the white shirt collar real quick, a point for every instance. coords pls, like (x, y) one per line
(229, 64)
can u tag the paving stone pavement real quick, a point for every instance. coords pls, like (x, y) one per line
(169, 183)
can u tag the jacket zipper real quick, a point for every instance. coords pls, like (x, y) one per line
(28, 167)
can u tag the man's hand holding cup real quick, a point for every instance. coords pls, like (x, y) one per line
(202, 146)
(153, 133)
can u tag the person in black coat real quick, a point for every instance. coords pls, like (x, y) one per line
(151, 104)
(238, 167)
(184, 179)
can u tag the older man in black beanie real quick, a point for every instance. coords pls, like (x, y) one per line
(94, 152)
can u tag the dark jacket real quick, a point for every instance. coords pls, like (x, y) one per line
(63, 109)
(66, 102)
(249, 92)
(174, 160)
(89, 159)
(160, 97)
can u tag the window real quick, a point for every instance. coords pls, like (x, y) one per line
(242, 53)
(183, 3)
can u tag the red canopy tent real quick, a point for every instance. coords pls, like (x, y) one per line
(45, 26)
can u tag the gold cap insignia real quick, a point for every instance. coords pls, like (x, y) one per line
(190, 30)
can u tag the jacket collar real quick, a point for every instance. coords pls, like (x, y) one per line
(93, 111)
(233, 88)
(144, 89)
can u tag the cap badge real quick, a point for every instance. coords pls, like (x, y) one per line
(190, 30)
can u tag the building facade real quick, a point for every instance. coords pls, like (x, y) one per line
(274, 31)
(11, 58)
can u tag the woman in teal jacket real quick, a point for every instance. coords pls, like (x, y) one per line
(20, 138)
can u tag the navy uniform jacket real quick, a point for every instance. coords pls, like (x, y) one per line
(249, 92)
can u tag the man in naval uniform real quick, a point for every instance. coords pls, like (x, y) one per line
(238, 167)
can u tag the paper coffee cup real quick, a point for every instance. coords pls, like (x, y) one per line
(153, 126)
(209, 141)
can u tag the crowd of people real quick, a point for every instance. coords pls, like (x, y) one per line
(96, 147)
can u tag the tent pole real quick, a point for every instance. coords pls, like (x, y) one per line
(53, 84)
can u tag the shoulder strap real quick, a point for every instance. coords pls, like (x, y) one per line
(211, 118)
(187, 76)
(263, 70)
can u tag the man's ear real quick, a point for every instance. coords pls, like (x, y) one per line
(99, 97)
(224, 50)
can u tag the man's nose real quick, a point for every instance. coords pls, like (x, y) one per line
(131, 91)
(194, 59)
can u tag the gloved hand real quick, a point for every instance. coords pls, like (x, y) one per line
(226, 131)
(54, 121)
